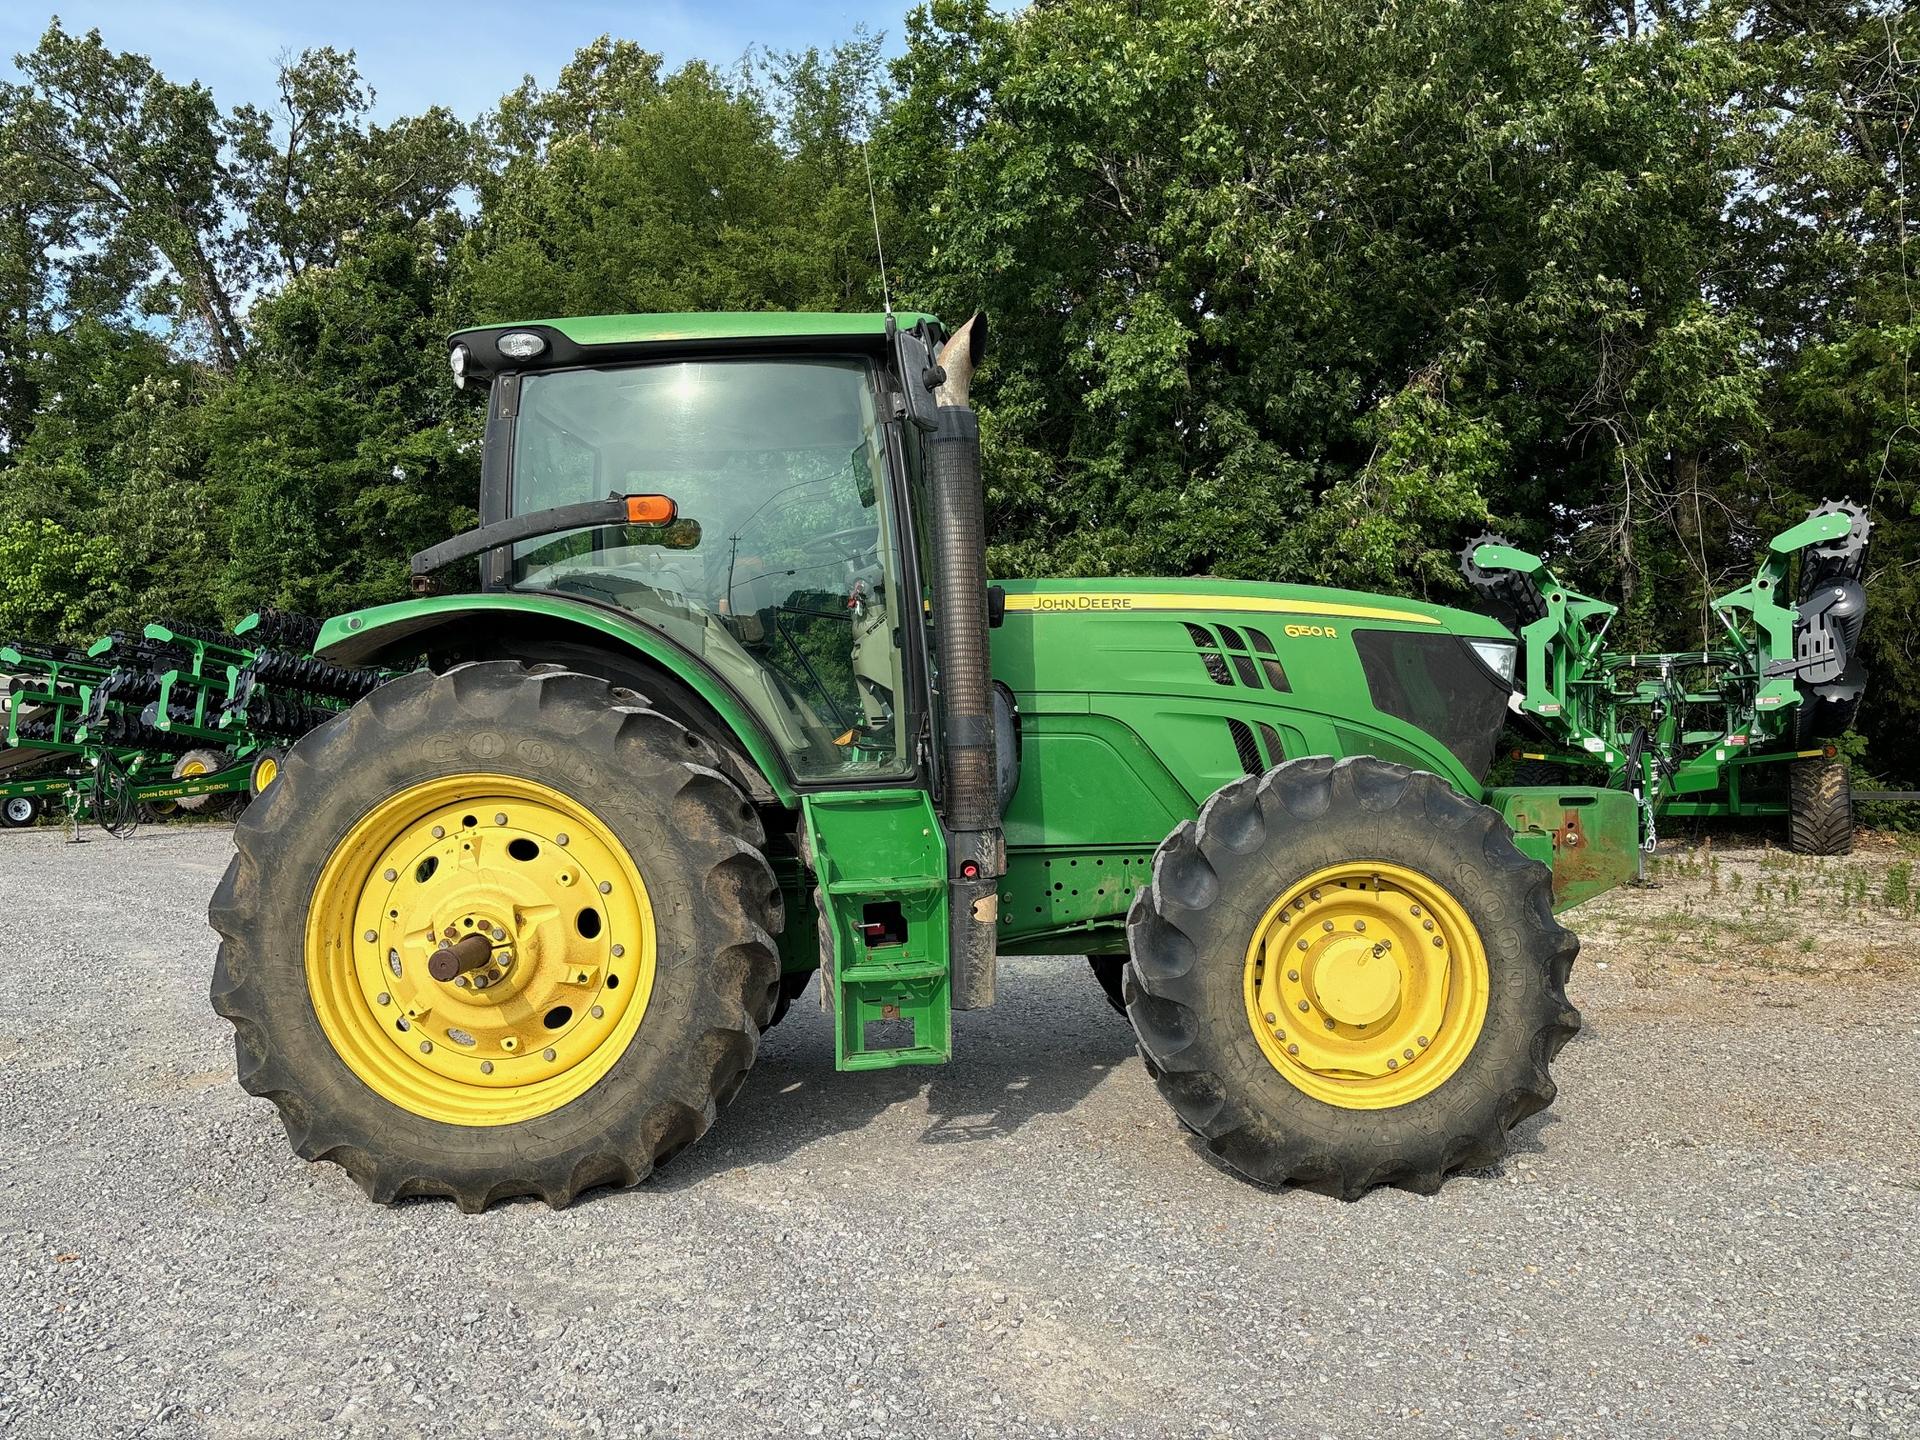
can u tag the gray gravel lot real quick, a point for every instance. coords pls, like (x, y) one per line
(1713, 1232)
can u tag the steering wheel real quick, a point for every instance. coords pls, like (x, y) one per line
(839, 543)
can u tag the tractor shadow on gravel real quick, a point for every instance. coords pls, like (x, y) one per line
(1006, 1072)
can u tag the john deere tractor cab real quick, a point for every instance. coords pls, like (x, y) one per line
(733, 706)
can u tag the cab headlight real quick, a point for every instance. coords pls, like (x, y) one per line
(521, 344)
(457, 361)
(1499, 656)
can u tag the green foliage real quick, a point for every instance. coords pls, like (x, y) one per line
(1278, 291)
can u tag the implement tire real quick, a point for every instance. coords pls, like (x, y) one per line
(603, 879)
(1820, 807)
(1298, 927)
(20, 811)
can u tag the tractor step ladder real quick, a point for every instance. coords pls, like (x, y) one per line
(881, 863)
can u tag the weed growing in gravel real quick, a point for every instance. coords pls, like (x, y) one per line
(1896, 890)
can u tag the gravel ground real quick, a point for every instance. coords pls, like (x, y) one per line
(1711, 1233)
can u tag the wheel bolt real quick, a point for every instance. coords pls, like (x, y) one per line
(1414, 910)
(498, 933)
(1313, 894)
(561, 838)
(439, 832)
(372, 936)
(618, 951)
(389, 874)
(1303, 1005)
(486, 1067)
(1360, 925)
(1293, 1049)
(1438, 941)
(459, 982)
(1269, 1017)
(1293, 974)
(1326, 925)
(598, 1012)
(1393, 1064)
(1423, 1042)
(549, 1054)
(1426, 924)
(1407, 1053)
(383, 998)
(1327, 1023)
(606, 887)
(426, 1047)
(1302, 945)
(499, 818)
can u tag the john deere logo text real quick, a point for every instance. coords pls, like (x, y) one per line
(1082, 602)
(1323, 632)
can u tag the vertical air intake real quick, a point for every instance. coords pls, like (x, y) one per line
(976, 848)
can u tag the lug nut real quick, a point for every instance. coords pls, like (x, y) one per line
(549, 1054)
(561, 839)
(618, 951)
(1408, 1054)
(1414, 910)
(1303, 1005)
(383, 998)
(439, 832)
(1393, 1064)
(1326, 925)
(389, 874)
(500, 818)
(372, 936)
(1438, 941)
(498, 933)
(1293, 974)
(1360, 925)
(1293, 1049)
(459, 982)
(606, 887)
(1423, 1042)
(1302, 945)
(426, 1047)
(1269, 1017)
(598, 1012)
(486, 1067)
(1327, 1023)
(1313, 894)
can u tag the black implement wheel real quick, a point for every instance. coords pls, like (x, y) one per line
(494, 933)
(1110, 972)
(193, 765)
(1820, 808)
(19, 811)
(1345, 975)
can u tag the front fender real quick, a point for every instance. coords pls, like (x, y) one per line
(367, 636)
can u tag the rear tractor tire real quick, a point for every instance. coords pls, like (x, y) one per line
(1344, 975)
(1820, 807)
(497, 932)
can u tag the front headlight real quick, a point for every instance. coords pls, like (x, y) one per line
(457, 361)
(1499, 656)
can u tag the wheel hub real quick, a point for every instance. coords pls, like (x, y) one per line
(1366, 985)
(484, 949)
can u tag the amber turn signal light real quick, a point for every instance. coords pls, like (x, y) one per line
(651, 510)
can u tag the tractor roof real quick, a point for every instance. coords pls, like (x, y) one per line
(591, 339)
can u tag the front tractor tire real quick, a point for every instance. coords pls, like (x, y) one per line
(497, 932)
(1344, 975)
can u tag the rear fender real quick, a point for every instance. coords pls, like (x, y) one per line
(533, 627)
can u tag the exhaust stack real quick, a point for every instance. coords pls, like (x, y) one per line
(976, 846)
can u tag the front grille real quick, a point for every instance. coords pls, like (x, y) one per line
(1436, 684)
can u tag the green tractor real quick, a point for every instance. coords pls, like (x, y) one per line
(734, 703)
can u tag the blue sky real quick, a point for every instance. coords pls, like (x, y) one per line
(460, 53)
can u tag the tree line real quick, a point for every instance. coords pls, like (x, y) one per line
(1300, 290)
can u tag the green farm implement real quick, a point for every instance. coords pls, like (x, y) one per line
(177, 717)
(1746, 726)
(735, 707)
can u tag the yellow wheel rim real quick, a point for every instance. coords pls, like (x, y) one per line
(1366, 985)
(569, 967)
(192, 767)
(266, 772)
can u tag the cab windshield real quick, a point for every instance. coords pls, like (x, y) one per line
(780, 569)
